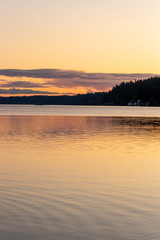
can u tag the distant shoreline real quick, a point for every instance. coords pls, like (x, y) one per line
(134, 93)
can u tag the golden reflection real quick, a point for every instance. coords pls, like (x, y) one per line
(88, 132)
(82, 141)
(91, 170)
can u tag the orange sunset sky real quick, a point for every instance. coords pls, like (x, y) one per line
(72, 46)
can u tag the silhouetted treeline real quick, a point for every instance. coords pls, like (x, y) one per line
(141, 92)
(79, 99)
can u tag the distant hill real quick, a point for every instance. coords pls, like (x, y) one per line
(79, 99)
(140, 92)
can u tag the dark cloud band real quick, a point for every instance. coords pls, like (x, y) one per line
(16, 91)
(21, 84)
(67, 78)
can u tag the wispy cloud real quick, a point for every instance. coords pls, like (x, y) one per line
(67, 78)
(20, 84)
(16, 91)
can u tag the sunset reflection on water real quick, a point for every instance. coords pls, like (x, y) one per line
(95, 177)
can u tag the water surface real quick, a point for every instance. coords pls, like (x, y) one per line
(79, 177)
(62, 110)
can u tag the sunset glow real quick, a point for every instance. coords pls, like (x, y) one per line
(84, 36)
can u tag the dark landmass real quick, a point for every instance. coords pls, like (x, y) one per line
(133, 93)
(80, 99)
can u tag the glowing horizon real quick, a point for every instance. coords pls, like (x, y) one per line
(59, 82)
(97, 37)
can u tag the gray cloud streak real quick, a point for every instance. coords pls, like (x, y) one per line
(21, 84)
(15, 91)
(69, 78)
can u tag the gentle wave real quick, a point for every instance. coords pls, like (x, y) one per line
(77, 210)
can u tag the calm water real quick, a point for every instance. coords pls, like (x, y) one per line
(53, 110)
(86, 176)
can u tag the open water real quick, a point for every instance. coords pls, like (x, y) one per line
(74, 172)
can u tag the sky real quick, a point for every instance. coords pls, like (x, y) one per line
(73, 46)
